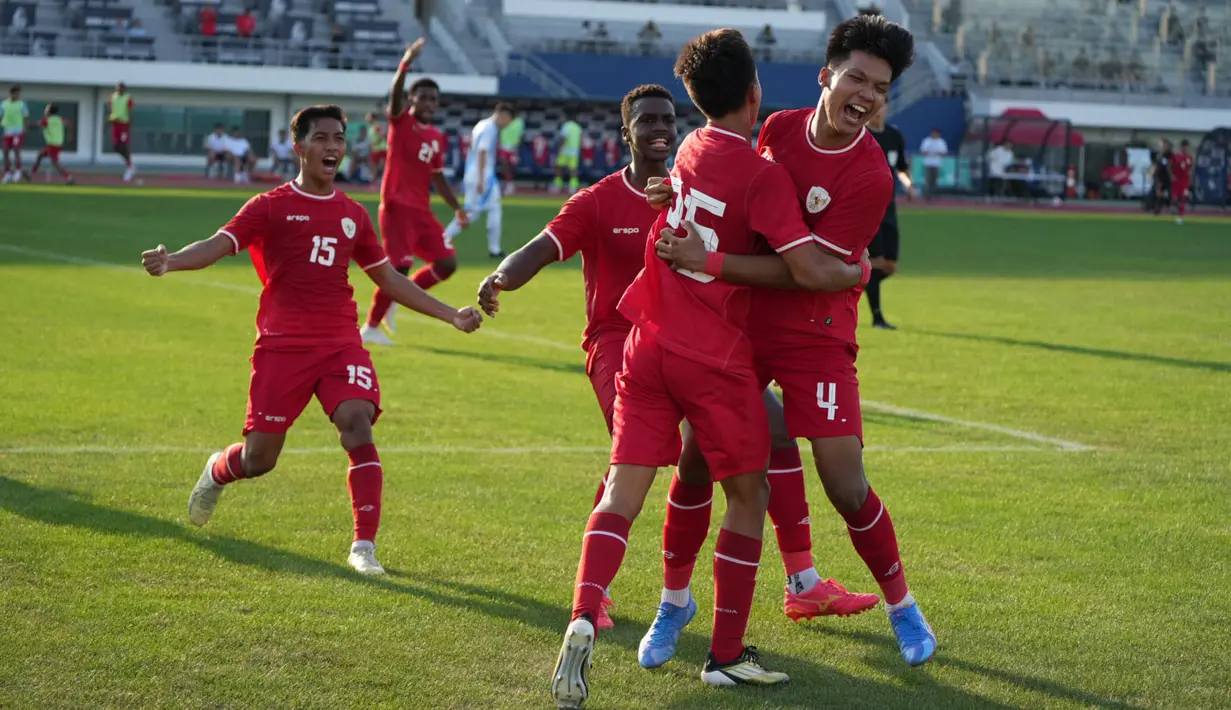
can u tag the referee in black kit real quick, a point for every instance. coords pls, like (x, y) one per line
(883, 250)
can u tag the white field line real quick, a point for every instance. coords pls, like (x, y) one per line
(1059, 444)
(445, 450)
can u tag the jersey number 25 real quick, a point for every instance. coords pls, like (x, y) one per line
(684, 208)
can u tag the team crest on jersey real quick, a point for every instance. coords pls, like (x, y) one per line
(348, 227)
(818, 199)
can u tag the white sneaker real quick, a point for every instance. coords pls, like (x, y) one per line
(363, 558)
(374, 336)
(569, 683)
(1179, 220)
(128, 174)
(389, 325)
(8, 177)
(204, 496)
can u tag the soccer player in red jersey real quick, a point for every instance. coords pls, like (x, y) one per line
(687, 356)
(414, 164)
(302, 237)
(1181, 179)
(119, 115)
(607, 223)
(805, 340)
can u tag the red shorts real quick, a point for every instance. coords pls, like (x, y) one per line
(820, 387)
(119, 134)
(509, 156)
(604, 360)
(408, 232)
(284, 381)
(377, 156)
(657, 389)
(52, 151)
(13, 142)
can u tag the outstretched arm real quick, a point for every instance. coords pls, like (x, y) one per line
(516, 270)
(397, 96)
(197, 255)
(805, 267)
(404, 291)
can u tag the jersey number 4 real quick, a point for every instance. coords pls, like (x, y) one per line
(684, 208)
(323, 251)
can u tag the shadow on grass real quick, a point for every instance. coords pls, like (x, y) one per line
(576, 368)
(812, 686)
(1208, 365)
(885, 658)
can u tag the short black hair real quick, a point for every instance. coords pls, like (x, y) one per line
(302, 122)
(423, 83)
(717, 69)
(874, 35)
(1184, 143)
(502, 107)
(53, 109)
(645, 91)
(14, 88)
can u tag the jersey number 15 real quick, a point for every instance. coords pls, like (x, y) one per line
(684, 208)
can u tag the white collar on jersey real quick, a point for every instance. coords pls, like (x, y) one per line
(295, 186)
(811, 142)
(628, 183)
(725, 132)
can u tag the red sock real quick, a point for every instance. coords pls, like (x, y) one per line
(684, 531)
(427, 277)
(736, 559)
(602, 551)
(229, 467)
(871, 532)
(364, 479)
(788, 509)
(602, 488)
(380, 306)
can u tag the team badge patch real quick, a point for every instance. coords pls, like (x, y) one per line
(818, 199)
(348, 225)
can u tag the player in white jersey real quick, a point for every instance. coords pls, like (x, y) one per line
(480, 182)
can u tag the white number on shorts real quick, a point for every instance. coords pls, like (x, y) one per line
(686, 209)
(360, 375)
(322, 250)
(827, 398)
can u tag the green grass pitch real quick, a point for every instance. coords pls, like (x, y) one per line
(1049, 429)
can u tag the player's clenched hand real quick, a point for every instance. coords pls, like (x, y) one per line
(463, 219)
(658, 193)
(489, 292)
(686, 252)
(155, 261)
(412, 52)
(467, 319)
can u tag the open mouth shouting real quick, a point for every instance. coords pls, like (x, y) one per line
(330, 163)
(856, 113)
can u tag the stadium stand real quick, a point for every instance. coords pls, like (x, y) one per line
(1182, 47)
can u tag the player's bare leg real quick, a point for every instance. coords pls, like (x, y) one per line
(602, 552)
(364, 478)
(256, 456)
(839, 461)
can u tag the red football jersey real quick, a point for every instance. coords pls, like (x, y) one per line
(611, 150)
(607, 222)
(540, 148)
(588, 150)
(844, 194)
(1181, 168)
(732, 195)
(416, 154)
(301, 245)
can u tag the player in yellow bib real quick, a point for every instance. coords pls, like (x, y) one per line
(569, 156)
(14, 114)
(119, 115)
(53, 142)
